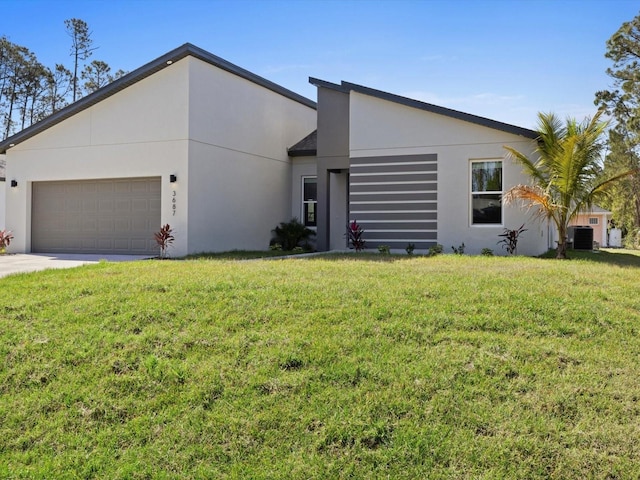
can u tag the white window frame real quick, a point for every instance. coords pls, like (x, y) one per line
(305, 202)
(594, 221)
(495, 192)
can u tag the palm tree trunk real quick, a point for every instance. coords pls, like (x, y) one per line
(561, 251)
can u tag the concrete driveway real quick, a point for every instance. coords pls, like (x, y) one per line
(32, 262)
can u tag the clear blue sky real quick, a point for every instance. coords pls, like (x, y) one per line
(502, 59)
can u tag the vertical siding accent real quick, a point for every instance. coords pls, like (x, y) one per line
(395, 199)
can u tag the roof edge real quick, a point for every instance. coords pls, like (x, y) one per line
(467, 117)
(307, 147)
(148, 69)
(332, 86)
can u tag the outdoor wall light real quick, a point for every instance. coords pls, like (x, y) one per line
(173, 178)
(14, 183)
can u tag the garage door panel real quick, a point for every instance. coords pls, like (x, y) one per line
(143, 187)
(123, 205)
(105, 187)
(86, 187)
(74, 205)
(89, 226)
(140, 205)
(96, 216)
(121, 244)
(89, 206)
(106, 206)
(89, 244)
(122, 225)
(106, 225)
(102, 244)
(138, 244)
(73, 223)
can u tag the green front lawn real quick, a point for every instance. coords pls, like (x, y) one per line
(324, 367)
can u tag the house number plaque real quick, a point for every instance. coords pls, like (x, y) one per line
(173, 203)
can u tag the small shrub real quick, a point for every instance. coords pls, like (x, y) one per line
(410, 248)
(164, 238)
(298, 250)
(5, 239)
(459, 250)
(487, 252)
(510, 240)
(291, 234)
(435, 250)
(384, 249)
(354, 234)
(275, 247)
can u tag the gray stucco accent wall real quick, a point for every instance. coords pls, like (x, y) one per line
(333, 158)
(395, 199)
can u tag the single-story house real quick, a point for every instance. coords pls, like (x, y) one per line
(223, 156)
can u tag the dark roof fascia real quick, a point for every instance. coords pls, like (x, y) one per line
(332, 86)
(467, 117)
(141, 73)
(302, 153)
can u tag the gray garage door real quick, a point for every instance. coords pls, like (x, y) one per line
(116, 216)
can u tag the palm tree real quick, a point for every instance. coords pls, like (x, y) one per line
(566, 174)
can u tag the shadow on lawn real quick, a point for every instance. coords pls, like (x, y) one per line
(621, 258)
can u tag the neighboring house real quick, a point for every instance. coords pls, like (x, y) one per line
(598, 219)
(194, 141)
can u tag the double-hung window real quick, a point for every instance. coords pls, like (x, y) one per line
(309, 201)
(486, 192)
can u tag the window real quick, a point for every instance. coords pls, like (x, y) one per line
(486, 192)
(309, 201)
(593, 220)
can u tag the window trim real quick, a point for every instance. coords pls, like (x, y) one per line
(595, 222)
(304, 202)
(496, 192)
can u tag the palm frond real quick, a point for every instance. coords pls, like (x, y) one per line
(531, 197)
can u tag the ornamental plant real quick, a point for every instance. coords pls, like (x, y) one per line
(384, 249)
(510, 240)
(164, 238)
(354, 234)
(436, 249)
(459, 250)
(291, 234)
(5, 240)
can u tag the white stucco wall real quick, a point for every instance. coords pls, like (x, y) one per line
(140, 131)
(224, 137)
(382, 128)
(239, 170)
(3, 190)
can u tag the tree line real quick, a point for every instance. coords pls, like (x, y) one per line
(567, 171)
(31, 91)
(622, 104)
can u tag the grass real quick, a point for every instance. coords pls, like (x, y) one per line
(327, 367)
(241, 255)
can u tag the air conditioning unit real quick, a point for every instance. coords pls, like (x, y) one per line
(581, 238)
